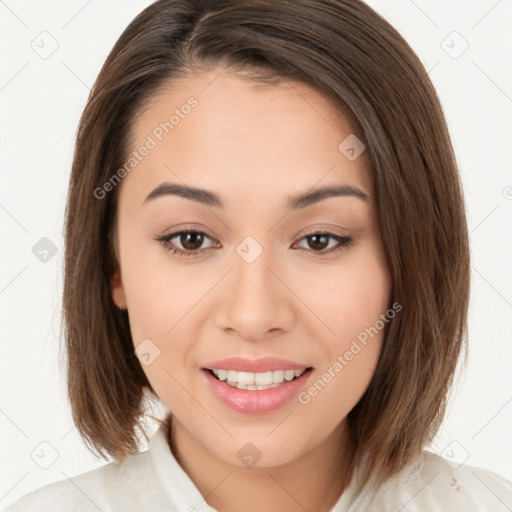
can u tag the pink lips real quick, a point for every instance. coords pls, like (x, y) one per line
(264, 364)
(255, 401)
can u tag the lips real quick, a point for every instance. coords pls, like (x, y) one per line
(261, 365)
(254, 390)
(255, 401)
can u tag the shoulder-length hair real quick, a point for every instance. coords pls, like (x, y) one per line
(352, 56)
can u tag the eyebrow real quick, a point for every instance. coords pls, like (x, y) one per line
(294, 202)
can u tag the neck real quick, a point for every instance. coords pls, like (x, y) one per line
(315, 481)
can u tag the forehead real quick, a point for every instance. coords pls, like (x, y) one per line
(213, 127)
(226, 100)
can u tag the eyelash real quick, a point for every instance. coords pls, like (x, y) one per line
(343, 242)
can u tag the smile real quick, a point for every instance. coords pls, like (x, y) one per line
(255, 398)
(256, 381)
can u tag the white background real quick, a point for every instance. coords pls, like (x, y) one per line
(41, 101)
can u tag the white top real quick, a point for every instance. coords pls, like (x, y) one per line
(153, 481)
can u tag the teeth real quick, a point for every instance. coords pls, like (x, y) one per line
(263, 378)
(257, 381)
(278, 376)
(289, 374)
(251, 388)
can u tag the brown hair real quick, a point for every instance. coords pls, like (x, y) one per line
(351, 55)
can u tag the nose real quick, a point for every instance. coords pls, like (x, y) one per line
(255, 303)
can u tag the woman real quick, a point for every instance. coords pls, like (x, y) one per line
(265, 231)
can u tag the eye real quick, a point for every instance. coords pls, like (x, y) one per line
(191, 242)
(320, 240)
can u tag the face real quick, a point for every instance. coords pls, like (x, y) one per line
(280, 285)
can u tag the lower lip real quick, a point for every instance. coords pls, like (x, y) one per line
(256, 401)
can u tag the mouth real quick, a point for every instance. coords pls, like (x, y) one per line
(255, 386)
(253, 381)
(256, 393)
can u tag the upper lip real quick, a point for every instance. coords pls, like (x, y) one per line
(263, 364)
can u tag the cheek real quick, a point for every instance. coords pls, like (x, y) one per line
(160, 302)
(349, 297)
(352, 353)
(355, 302)
(160, 327)
(158, 293)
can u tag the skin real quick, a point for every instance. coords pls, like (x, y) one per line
(253, 146)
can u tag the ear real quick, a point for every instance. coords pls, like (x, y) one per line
(118, 295)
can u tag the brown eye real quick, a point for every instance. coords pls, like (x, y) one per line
(191, 241)
(318, 242)
(185, 243)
